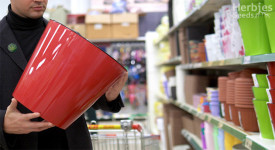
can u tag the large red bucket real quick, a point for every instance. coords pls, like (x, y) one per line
(65, 76)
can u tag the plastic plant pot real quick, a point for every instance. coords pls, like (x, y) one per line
(263, 119)
(254, 33)
(271, 68)
(270, 4)
(234, 114)
(248, 119)
(271, 95)
(248, 2)
(260, 93)
(271, 81)
(270, 24)
(226, 112)
(260, 80)
(65, 76)
(215, 108)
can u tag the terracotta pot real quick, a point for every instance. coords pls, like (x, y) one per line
(248, 119)
(65, 76)
(226, 112)
(234, 114)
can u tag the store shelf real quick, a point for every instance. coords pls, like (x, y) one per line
(172, 62)
(198, 15)
(251, 140)
(192, 139)
(257, 143)
(164, 38)
(201, 13)
(139, 39)
(231, 62)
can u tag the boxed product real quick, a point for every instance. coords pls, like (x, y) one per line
(98, 26)
(125, 25)
(80, 28)
(194, 84)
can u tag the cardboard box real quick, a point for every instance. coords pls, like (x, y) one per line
(80, 28)
(188, 123)
(183, 46)
(98, 26)
(175, 122)
(125, 25)
(194, 84)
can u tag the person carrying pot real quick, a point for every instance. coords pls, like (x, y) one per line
(20, 31)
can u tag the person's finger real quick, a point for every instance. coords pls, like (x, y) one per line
(30, 116)
(121, 81)
(13, 104)
(39, 126)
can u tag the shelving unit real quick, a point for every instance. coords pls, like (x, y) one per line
(251, 140)
(246, 60)
(199, 14)
(192, 139)
(171, 62)
(202, 13)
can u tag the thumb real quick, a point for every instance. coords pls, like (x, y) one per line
(13, 104)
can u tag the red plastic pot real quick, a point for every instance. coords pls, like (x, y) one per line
(271, 68)
(271, 95)
(271, 81)
(65, 76)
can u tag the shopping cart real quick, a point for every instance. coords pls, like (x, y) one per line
(126, 136)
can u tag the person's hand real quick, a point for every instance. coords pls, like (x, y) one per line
(17, 123)
(113, 92)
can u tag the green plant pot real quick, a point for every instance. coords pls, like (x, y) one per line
(260, 93)
(254, 33)
(270, 25)
(260, 80)
(270, 4)
(263, 119)
(247, 2)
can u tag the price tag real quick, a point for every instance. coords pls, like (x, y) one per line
(248, 143)
(220, 125)
(221, 63)
(208, 119)
(210, 64)
(247, 59)
(202, 116)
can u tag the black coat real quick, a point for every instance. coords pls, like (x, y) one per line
(12, 65)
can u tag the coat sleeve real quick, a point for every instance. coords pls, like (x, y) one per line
(3, 144)
(113, 106)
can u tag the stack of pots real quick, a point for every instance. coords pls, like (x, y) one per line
(213, 98)
(260, 106)
(271, 92)
(222, 96)
(270, 22)
(229, 107)
(245, 114)
(253, 27)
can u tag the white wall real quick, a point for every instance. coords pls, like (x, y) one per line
(3, 8)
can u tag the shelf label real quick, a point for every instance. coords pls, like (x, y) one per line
(220, 125)
(202, 116)
(248, 143)
(221, 63)
(208, 119)
(246, 59)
